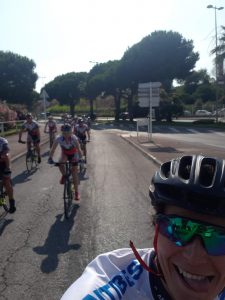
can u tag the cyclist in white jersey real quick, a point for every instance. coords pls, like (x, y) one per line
(187, 261)
(33, 134)
(51, 128)
(70, 151)
(80, 130)
(5, 172)
(50, 125)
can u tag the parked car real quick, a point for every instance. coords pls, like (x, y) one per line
(93, 116)
(124, 115)
(187, 113)
(203, 113)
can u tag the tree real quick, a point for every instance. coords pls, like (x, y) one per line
(195, 79)
(68, 88)
(162, 56)
(103, 79)
(220, 53)
(17, 78)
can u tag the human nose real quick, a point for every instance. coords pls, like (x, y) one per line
(195, 250)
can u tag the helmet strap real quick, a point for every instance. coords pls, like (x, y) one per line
(141, 261)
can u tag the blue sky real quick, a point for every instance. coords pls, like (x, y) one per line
(65, 35)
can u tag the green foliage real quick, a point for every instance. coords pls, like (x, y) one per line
(204, 121)
(68, 88)
(162, 56)
(59, 109)
(17, 78)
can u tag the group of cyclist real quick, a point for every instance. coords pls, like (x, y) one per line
(72, 140)
(187, 260)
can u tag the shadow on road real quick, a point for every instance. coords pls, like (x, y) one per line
(23, 177)
(4, 223)
(57, 241)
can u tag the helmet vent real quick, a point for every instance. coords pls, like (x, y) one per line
(185, 167)
(165, 169)
(207, 172)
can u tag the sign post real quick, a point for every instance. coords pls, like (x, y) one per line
(148, 96)
(44, 95)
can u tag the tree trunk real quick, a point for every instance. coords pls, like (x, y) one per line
(117, 98)
(72, 107)
(91, 107)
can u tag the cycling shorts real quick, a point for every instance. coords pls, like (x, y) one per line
(82, 140)
(4, 171)
(74, 158)
(33, 139)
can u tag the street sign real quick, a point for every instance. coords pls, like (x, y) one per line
(44, 94)
(149, 84)
(144, 101)
(149, 92)
(143, 122)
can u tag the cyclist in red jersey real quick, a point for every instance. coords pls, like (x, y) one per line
(33, 134)
(70, 151)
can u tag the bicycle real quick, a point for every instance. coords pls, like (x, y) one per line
(31, 157)
(82, 167)
(68, 192)
(4, 200)
(51, 137)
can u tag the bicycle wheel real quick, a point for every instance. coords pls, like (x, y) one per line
(82, 167)
(4, 200)
(67, 197)
(34, 159)
(29, 161)
(51, 139)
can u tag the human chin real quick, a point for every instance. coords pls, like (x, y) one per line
(180, 281)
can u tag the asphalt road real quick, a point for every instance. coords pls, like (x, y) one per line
(41, 253)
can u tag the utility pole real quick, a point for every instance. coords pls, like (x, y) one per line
(216, 53)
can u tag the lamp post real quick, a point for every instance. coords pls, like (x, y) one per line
(216, 58)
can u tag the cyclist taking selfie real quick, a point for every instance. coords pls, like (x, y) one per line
(187, 261)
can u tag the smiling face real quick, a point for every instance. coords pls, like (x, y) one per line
(189, 272)
(29, 119)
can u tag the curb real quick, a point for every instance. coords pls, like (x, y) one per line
(145, 153)
(14, 158)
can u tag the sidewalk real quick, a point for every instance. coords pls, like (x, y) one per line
(162, 149)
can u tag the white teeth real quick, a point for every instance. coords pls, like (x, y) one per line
(191, 276)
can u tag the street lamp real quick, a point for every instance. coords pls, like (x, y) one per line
(215, 9)
(93, 62)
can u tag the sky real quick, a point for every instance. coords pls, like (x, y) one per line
(64, 36)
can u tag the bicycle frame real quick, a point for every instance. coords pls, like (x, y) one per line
(68, 193)
(3, 201)
(51, 137)
(31, 158)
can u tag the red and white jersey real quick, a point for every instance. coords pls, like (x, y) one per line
(80, 131)
(51, 125)
(32, 128)
(69, 146)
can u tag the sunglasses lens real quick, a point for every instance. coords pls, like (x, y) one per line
(214, 241)
(181, 231)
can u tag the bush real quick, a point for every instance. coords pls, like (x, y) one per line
(204, 121)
